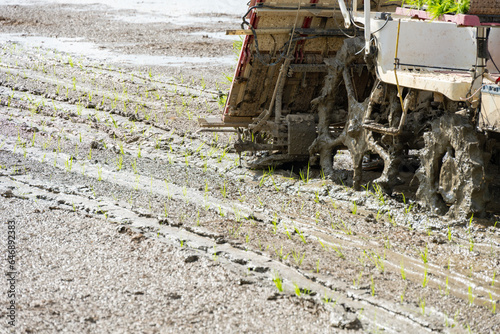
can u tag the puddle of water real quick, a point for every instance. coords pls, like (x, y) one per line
(217, 35)
(177, 12)
(183, 20)
(77, 47)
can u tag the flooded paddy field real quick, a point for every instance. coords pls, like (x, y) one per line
(130, 220)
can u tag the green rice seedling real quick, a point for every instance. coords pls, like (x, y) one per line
(297, 257)
(408, 206)
(471, 243)
(223, 155)
(402, 270)
(425, 281)
(354, 208)
(402, 295)
(422, 305)
(424, 254)
(214, 255)
(119, 162)
(114, 122)
(493, 279)
(372, 286)
(317, 216)
(356, 283)
(345, 228)
(379, 194)
(338, 251)
(281, 256)
(447, 287)
(235, 231)
(134, 166)
(224, 189)
(304, 176)
(274, 222)
(120, 145)
(379, 261)
(99, 173)
(278, 282)
(470, 295)
(297, 290)
(361, 259)
(301, 235)
(493, 304)
(287, 232)
(221, 212)
(317, 267)
(322, 245)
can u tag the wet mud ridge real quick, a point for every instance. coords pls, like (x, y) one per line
(114, 151)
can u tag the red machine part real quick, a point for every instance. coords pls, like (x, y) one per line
(299, 51)
(245, 54)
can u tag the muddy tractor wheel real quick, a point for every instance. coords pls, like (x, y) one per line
(452, 171)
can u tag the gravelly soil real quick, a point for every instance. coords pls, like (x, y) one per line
(131, 221)
(80, 275)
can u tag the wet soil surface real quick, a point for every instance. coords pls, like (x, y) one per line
(130, 220)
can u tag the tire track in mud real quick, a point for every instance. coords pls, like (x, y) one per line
(355, 239)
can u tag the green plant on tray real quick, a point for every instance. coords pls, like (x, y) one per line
(439, 7)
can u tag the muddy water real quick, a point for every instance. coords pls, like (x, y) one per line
(118, 145)
(165, 8)
(192, 14)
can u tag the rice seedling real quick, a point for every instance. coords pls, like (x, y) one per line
(356, 283)
(422, 305)
(493, 304)
(287, 232)
(338, 251)
(379, 261)
(274, 222)
(323, 245)
(301, 235)
(214, 255)
(354, 208)
(425, 280)
(304, 176)
(316, 196)
(68, 164)
(278, 282)
(345, 228)
(425, 254)
(281, 256)
(119, 162)
(298, 292)
(224, 189)
(470, 296)
(372, 286)
(297, 257)
(402, 270)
